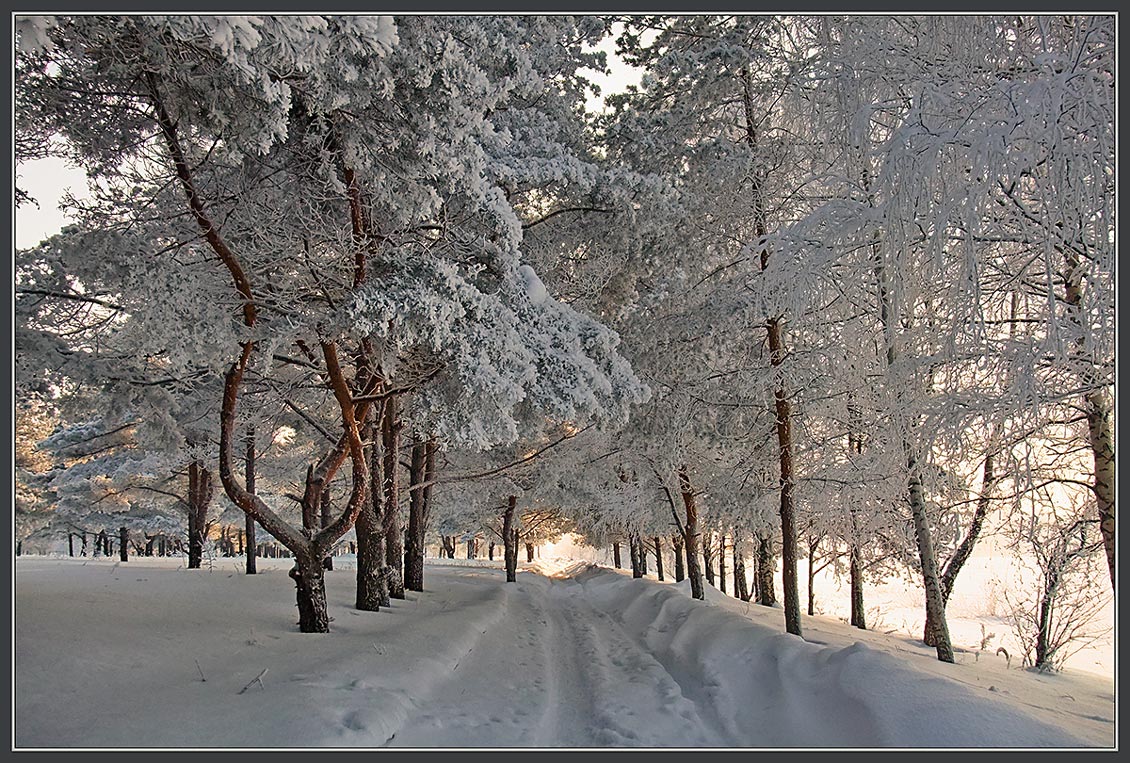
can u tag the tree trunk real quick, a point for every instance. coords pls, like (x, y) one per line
(680, 571)
(788, 510)
(200, 490)
(490, 551)
(326, 516)
(510, 539)
(690, 535)
(634, 550)
(70, 544)
(741, 587)
(935, 606)
(811, 579)
(310, 586)
(858, 617)
(722, 564)
(782, 406)
(708, 558)
(423, 470)
(372, 592)
(529, 552)
(616, 555)
(965, 548)
(658, 558)
(470, 548)
(766, 593)
(1098, 407)
(123, 545)
(394, 545)
(83, 551)
(1044, 619)
(641, 550)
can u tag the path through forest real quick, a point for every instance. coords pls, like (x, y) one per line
(119, 655)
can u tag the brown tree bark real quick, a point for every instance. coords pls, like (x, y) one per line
(766, 593)
(510, 539)
(372, 593)
(708, 557)
(677, 545)
(308, 576)
(529, 552)
(394, 545)
(616, 554)
(249, 480)
(658, 558)
(423, 467)
(690, 535)
(123, 545)
(722, 564)
(200, 491)
(781, 404)
(325, 506)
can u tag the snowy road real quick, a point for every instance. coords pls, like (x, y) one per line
(151, 655)
(557, 672)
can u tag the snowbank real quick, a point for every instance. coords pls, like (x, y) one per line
(774, 689)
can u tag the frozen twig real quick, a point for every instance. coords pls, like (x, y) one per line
(258, 678)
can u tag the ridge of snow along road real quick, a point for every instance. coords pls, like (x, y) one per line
(476, 660)
(772, 689)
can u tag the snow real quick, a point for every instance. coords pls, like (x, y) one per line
(570, 655)
(535, 289)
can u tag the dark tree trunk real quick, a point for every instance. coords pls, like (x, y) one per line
(765, 567)
(200, 489)
(616, 555)
(1044, 621)
(708, 559)
(529, 552)
(965, 548)
(83, 551)
(677, 546)
(690, 535)
(741, 585)
(490, 551)
(858, 617)
(123, 545)
(423, 470)
(510, 539)
(70, 544)
(634, 551)
(811, 578)
(782, 406)
(470, 548)
(394, 545)
(658, 558)
(372, 593)
(19, 548)
(327, 517)
(722, 564)
(310, 586)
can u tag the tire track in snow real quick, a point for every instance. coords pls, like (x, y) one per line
(634, 700)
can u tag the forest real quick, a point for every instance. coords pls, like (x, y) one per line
(827, 295)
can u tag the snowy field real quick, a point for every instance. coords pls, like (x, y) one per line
(148, 654)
